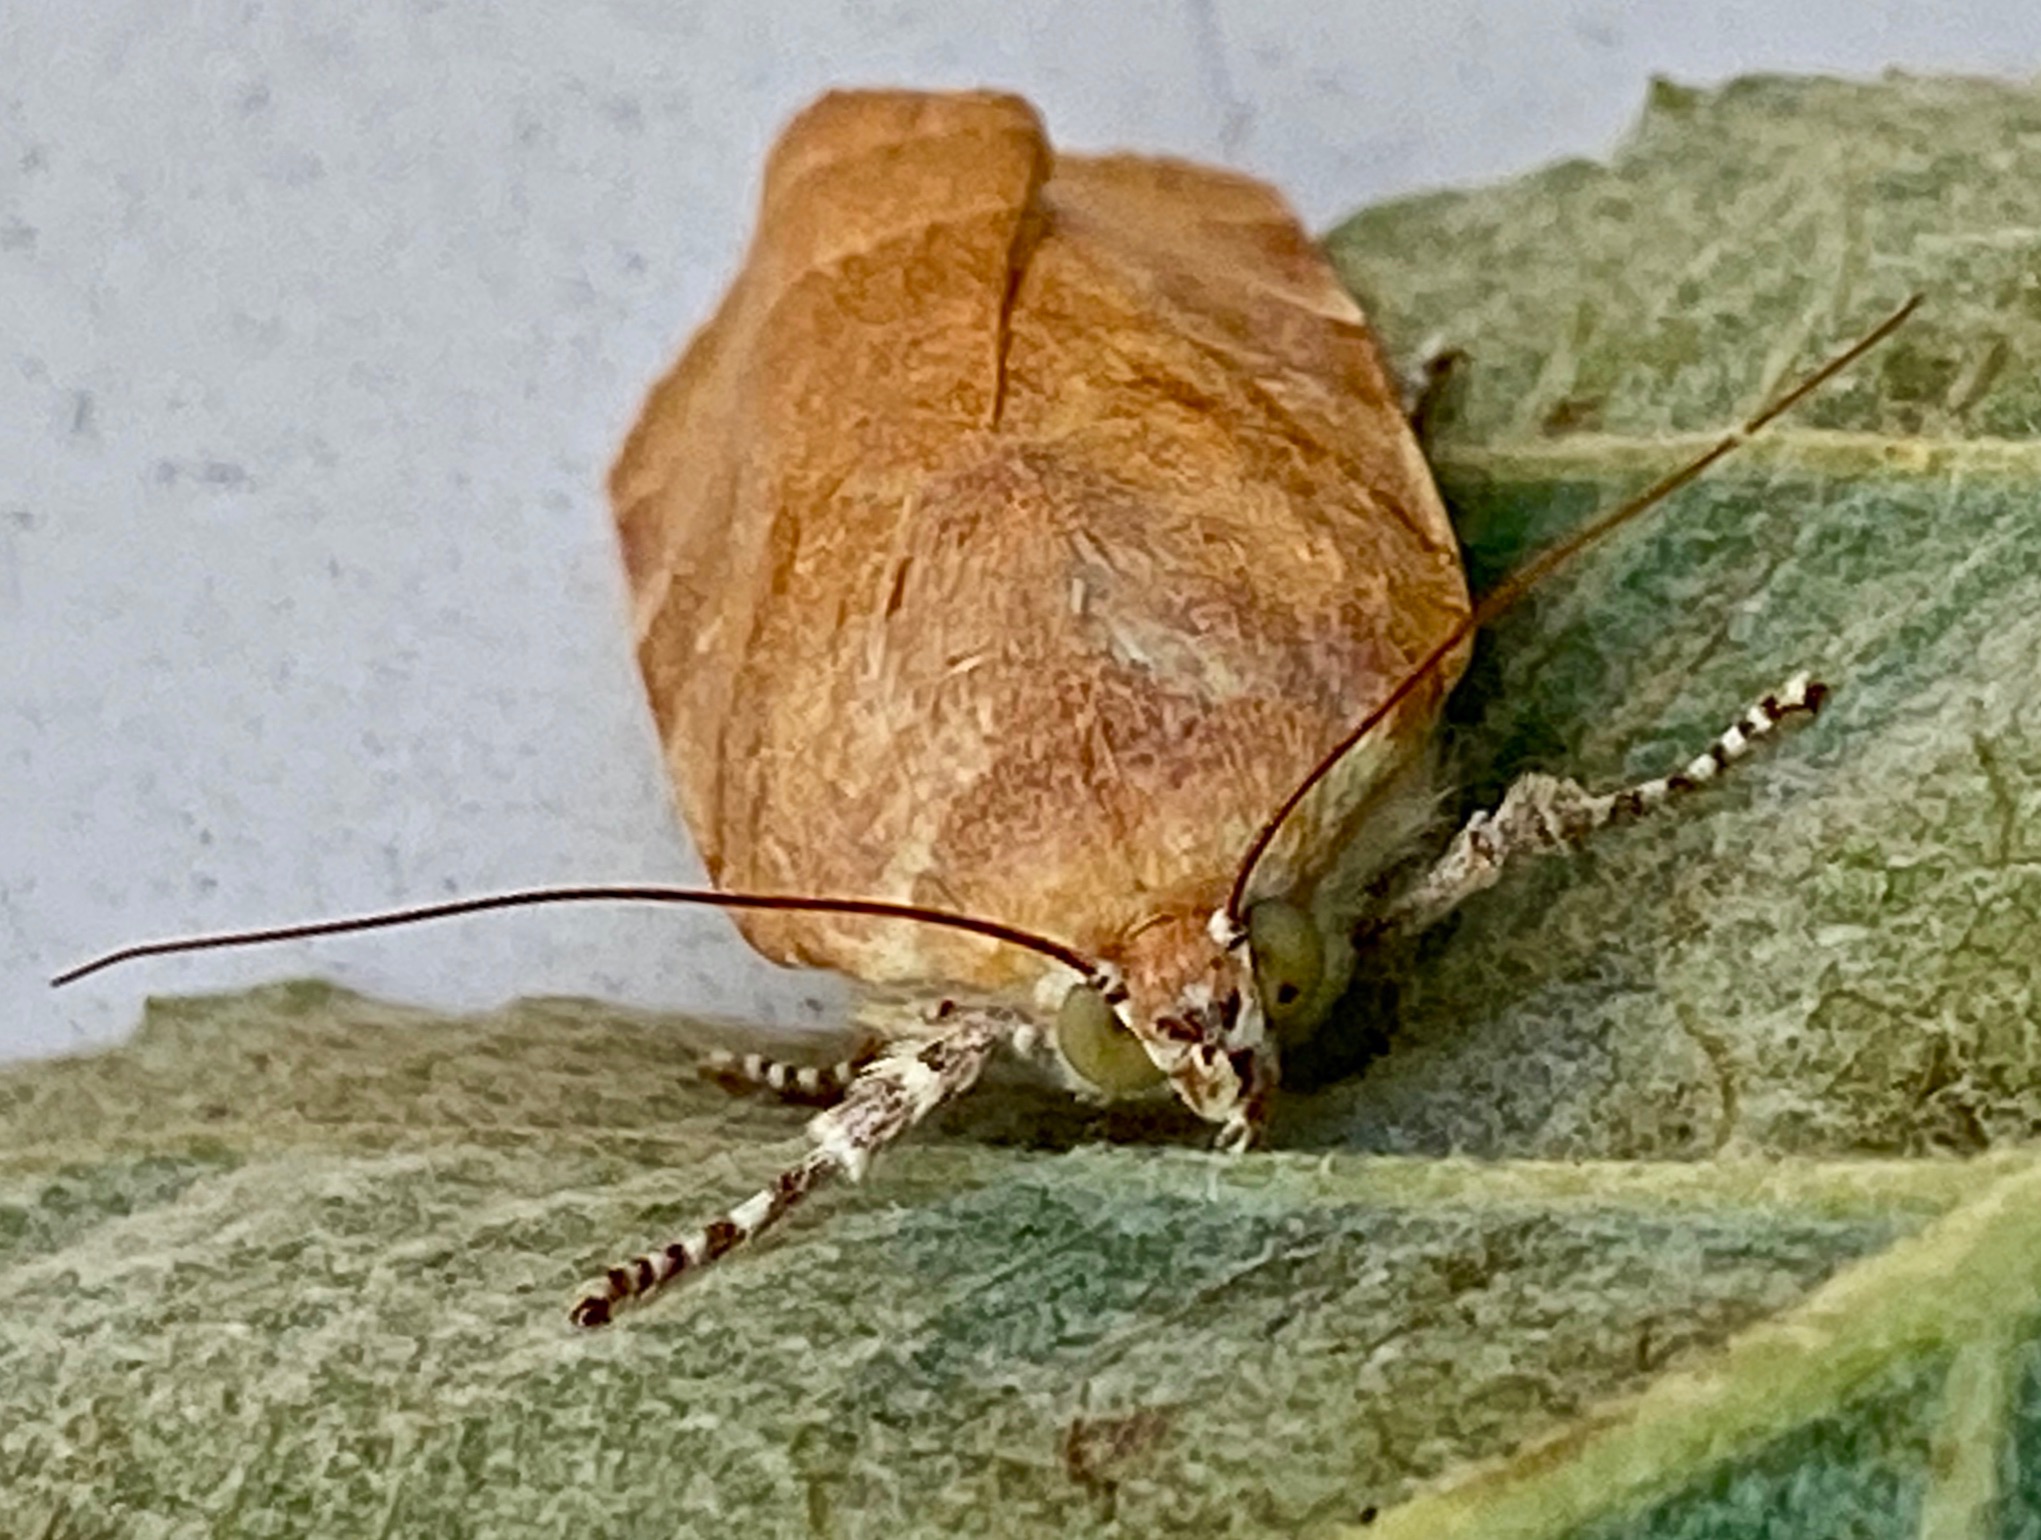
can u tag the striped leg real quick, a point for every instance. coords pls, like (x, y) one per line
(811, 1085)
(889, 1096)
(1541, 814)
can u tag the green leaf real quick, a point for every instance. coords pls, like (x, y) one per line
(1643, 1219)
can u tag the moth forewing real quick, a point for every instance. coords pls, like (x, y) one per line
(1019, 531)
(1045, 609)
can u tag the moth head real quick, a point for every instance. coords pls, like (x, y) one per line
(1186, 1013)
(1213, 1042)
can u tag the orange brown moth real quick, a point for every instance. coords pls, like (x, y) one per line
(1013, 537)
(1045, 607)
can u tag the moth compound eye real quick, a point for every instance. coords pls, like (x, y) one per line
(1094, 1044)
(1289, 957)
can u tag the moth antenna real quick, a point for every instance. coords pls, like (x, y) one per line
(1535, 571)
(622, 893)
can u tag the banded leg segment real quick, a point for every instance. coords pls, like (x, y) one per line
(814, 1085)
(1541, 814)
(889, 1096)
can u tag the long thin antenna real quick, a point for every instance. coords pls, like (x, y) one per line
(1535, 571)
(622, 893)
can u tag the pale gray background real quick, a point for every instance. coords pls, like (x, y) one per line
(318, 325)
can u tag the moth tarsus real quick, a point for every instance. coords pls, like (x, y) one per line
(819, 1085)
(891, 1094)
(1542, 814)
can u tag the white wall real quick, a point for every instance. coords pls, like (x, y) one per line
(316, 337)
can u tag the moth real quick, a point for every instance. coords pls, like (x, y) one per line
(1046, 607)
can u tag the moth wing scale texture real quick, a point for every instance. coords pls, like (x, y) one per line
(1018, 532)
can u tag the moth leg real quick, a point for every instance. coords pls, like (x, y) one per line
(1541, 814)
(812, 1085)
(1430, 387)
(889, 1095)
